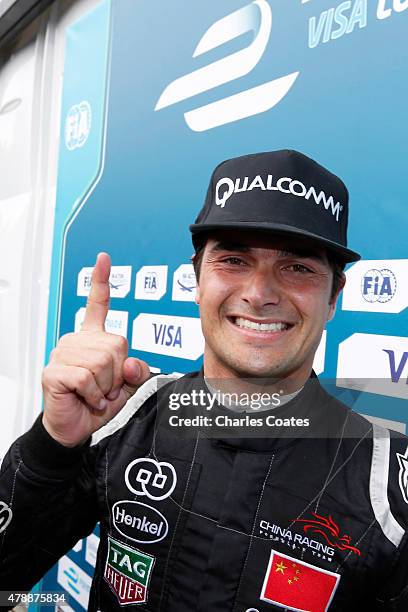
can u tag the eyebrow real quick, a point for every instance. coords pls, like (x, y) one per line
(244, 248)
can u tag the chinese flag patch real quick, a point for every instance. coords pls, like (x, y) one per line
(297, 585)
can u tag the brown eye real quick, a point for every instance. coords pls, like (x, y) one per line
(302, 269)
(235, 261)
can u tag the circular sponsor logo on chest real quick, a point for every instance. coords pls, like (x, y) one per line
(139, 522)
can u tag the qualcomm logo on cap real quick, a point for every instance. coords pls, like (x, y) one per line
(256, 18)
(377, 286)
(284, 185)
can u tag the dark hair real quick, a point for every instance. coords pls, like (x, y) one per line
(336, 265)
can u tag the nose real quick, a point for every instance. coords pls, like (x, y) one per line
(261, 288)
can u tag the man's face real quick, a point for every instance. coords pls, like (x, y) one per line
(264, 302)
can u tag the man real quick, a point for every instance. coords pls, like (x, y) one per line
(209, 505)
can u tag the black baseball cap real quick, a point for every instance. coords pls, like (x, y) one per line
(280, 192)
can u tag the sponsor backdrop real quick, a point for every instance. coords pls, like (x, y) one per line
(154, 99)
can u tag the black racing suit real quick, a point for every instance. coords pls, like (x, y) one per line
(195, 520)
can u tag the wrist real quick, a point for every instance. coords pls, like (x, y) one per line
(57, 437)
(44, 454)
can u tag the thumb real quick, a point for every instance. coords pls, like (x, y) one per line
(135, 373)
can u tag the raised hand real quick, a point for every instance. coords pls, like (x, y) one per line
(89, 377)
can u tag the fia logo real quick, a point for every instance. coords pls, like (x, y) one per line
(78, 125)
(378, 285)
(150, 282)
(87, 282)
(256, 18)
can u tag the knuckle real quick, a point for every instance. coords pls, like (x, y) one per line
(105, 360)
(84, 378)
(121, 343)
(65, 339)
(49, 376)
(45, 378)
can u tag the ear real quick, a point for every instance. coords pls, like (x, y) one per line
(197, 295)
(333, 300)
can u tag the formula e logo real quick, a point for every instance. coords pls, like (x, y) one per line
(78, 125)
(256, 18)
(378, 285)
(403, 474)
(155, 479)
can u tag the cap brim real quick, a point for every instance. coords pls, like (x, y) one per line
(346, 255)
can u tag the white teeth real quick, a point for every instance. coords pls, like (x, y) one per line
(270, 327)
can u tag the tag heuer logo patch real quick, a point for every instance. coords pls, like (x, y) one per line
(127, 572)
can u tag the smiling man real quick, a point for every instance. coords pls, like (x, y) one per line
(264, 303)
(288, 500)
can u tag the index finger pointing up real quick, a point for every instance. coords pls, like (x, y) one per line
(98, 300)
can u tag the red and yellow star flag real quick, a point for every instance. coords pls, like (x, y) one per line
(297, 585)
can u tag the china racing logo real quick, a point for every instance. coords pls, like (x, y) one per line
(330, 531)
(256, 18)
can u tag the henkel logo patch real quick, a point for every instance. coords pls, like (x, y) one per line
(296, 585)
(155, 479)
(139, 522)
(256, 18)
(5, 516)
(226, 187)
(330, 531)
(128, 571)
(403, 474)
